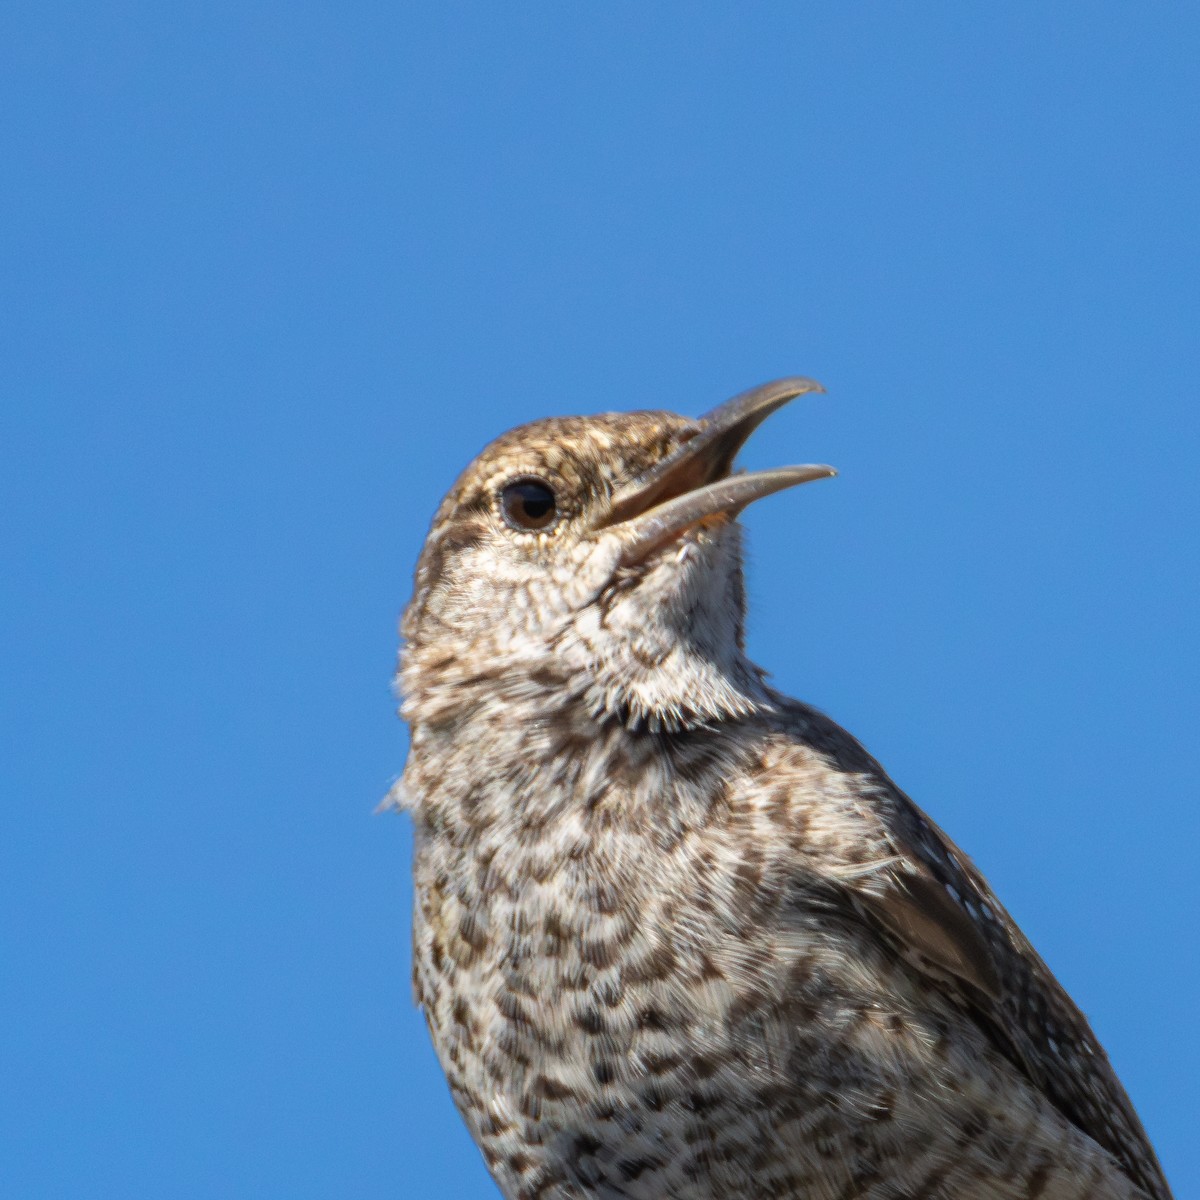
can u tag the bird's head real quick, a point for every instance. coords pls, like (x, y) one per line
(595, 560)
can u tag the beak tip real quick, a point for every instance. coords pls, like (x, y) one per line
(798, 385)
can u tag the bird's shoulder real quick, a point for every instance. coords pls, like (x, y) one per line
(927, 900)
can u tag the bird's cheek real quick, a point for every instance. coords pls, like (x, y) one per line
(596, 564)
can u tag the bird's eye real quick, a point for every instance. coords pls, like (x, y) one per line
(529, 504)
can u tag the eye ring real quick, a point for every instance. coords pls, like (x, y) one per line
(529, 504)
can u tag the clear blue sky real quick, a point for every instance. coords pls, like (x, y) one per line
(274, 272)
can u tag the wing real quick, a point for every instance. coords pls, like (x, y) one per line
(935, 907)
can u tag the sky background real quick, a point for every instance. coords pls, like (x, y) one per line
(273, 273)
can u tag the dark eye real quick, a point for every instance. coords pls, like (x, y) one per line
(528, 504)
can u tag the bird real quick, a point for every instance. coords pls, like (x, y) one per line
(677, 936)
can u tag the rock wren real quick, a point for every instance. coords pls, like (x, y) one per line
(678, 936)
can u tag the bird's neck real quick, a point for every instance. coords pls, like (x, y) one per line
(619, 692)
(645, 680)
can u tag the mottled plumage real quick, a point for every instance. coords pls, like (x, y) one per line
(677, 936)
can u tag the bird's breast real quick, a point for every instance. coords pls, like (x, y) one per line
(644, 1000)
(624, 1007)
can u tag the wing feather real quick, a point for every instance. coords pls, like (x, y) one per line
(935, 907)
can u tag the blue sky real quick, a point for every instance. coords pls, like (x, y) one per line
(274, 272)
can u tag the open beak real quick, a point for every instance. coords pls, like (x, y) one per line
(695, 482)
